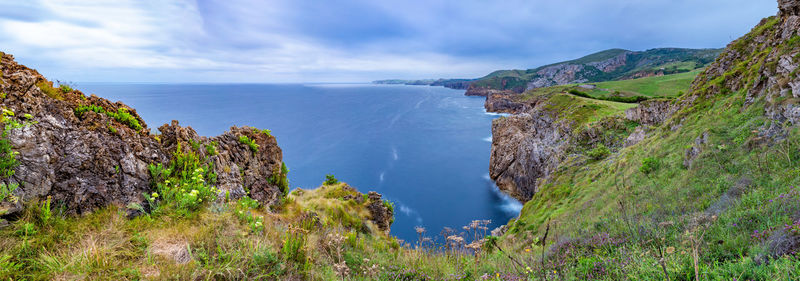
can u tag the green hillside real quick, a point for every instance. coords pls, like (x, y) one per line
(658, 86)
(663, 61)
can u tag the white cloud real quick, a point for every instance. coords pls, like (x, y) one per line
(254, 41)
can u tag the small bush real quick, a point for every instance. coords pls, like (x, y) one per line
(7, 192)
(49, 91)
(211, 148)
(330, 180)
(293, 249)
(281, 179)
(125, 118)
(251, 143)
(8, 157)
(649, 164)
(121, 115)
(183, 187)
(264, 131)
(65, 88)
(599, 152)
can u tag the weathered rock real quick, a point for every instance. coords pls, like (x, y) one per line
(80, 163)
(692, 152)
(504, 103)
(789, 8)
(637, 136)
(239, 169)
(652, 112)
(525, 148)
(88, 160)
(380, 214)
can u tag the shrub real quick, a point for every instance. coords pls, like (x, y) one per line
(126, 118)
(330, 180)
(182, 187)
(249, 142)
(121, 115)
(281, 179)
(8, 157)
(7, 192)
(293, 248)
(264, 131)
(211, 148)
(579, 93)
(44, 211)
(49, 91)
(599, 152)
(649, 164)
(80, 110)
(65, 88)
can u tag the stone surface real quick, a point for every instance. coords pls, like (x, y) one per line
(92, 161)
(381, 215)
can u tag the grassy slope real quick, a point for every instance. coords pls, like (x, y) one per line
(665, 86)
(652, 60)
(647, 204)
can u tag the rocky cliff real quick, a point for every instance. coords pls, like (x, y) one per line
(528, 146)
(86, 152)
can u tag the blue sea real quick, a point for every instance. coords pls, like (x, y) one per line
(424, 148)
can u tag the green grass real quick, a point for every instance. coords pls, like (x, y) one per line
(121, 115)
(584, 110)
(656, 86)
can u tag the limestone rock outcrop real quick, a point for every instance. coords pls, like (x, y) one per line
(87, 152)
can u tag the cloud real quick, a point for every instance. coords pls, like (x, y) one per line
(350, 40)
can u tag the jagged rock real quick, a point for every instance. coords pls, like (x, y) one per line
(637, 136)
(500, 230)
(380, 214)
(525, 148)
(652, 112)
(789, 7)
(503, 103)
(692, 152)
(238, 168)
(79, 163)
(88, 160)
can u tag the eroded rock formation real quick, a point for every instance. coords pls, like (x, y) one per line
(87, 152)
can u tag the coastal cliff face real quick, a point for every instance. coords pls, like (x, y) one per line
(87, 152)
(528, 146)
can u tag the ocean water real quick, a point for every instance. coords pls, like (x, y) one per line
(424, 148)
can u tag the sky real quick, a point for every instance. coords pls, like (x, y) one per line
(289, 41)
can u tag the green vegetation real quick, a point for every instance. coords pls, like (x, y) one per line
(657, 86)
(599, 152)
(7, 192)
(330, 180)
(121, 115)
(182, 187)
(8, 157)
(48, 90)
(250, 143)
(281, 179)
(644, 216)
(628, 213)
(666, 61)
(65, 88)
(584, 110)
(211, 148)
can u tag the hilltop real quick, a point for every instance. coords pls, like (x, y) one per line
(608, 65)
